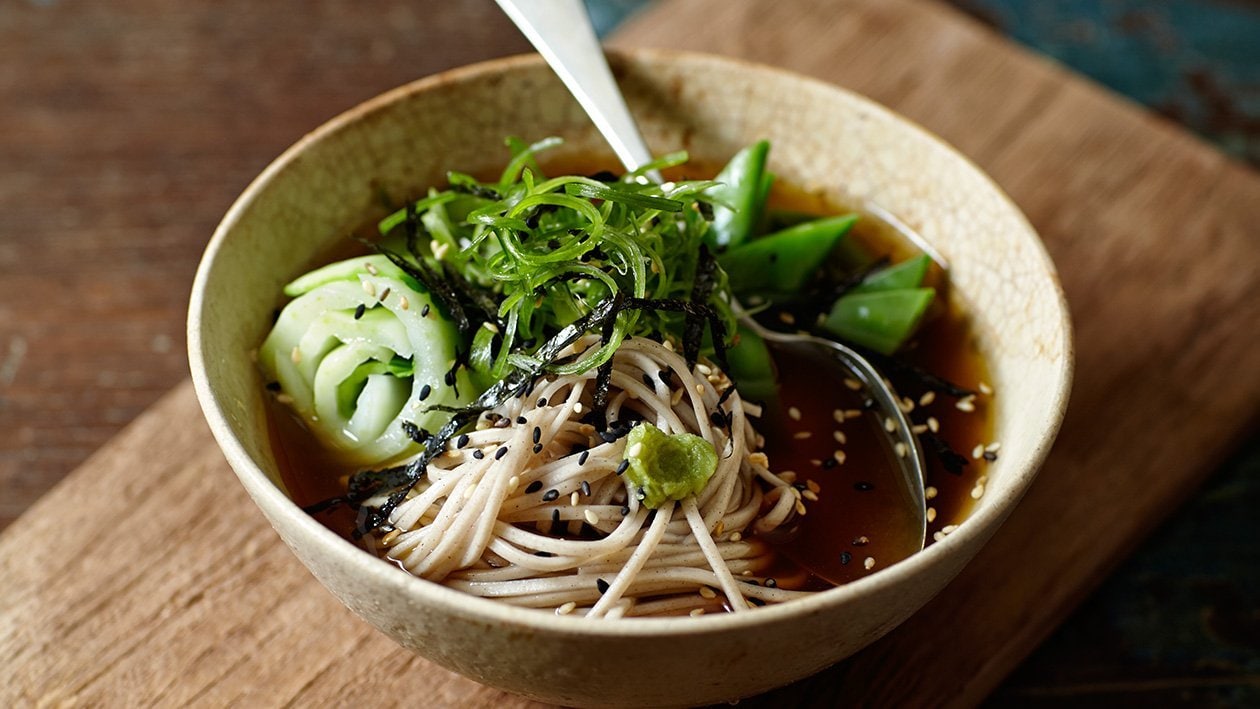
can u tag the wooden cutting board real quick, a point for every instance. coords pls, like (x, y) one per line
(147, 577)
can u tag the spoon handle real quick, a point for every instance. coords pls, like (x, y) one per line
(561, 31)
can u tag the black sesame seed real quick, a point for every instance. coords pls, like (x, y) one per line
(666, 376)
(500, 453)
(582, 458)
(555, 517)
(718, 418)
(621, 467)
(537, 448)
(537, 434)
(863, 486)
(990, 456)
(462, 440)
(602, 585)
(533, 487)
(424, 312)
(607, 436)
(802, 487)
(478, 454)
(586, 488)
(521, 420)
(550, 495)
(542, 401)
(425, 391)
(757, 602)
(845, 558)
(830, 462)
(771, 583)
(273, 386)
(625, 510)
(647, 380)
(359, 311)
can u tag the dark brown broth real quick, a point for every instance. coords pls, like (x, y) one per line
(847, 524)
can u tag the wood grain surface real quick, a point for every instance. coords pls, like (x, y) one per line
(146, 577)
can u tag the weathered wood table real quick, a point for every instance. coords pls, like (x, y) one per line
(147, 577)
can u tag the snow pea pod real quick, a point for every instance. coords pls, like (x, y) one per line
(784, 261)
(745, 185)
(880, 320)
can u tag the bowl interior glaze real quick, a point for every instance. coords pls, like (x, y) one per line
(825, 139)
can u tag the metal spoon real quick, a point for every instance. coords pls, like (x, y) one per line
(561, 31)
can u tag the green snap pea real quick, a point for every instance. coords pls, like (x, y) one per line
(880, 320)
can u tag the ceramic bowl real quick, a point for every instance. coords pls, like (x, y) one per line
(826, 140)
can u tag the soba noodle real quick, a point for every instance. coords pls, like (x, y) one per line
(535, 513)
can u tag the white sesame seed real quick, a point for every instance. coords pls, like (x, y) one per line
(787, 476)
(634, 450)
(719, 528)
(469, 491)
(736, 536)
(700, 389)
(938, 536)
(816, 462)
(931, 515)
(949, 528)
(802, 435)
(933, 425)
(513, 482)
(284, 399)
(906, 405)
(890, 425)
(813, 486)
(840, 437)
(439, 249)
(296, 355)
(367, 266)
(389, 538)
(977, 451)
(993, 447)
(669, 344)
(852, 383)
(918, 429)
(703, 369)
(838, 415)
(676, 397)
(930, 492)
(706, 592)
(591, 517)
(491, 327)
(384, 294)
(759, 458)
(839, 456)
(369, 288)
(852, 413)
(985, 389)
(577, 408)
(696, 612)
(787, 318)
(403, 302)
(927, 398)
(869, 563)
(566, 608)
(967, 404)
(901, 449)
(810, 495)
(800, 508)
(794, 413)
(574, 498)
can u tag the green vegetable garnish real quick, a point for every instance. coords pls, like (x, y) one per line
(907, 274)
(668, 467)
(744, 187)
(784, 261)
(881, 320)
(752, 366)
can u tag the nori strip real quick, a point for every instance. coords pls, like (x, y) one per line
(950, 458)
